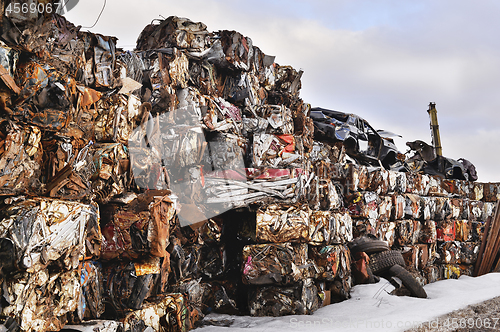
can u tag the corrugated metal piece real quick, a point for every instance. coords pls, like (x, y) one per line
(274, 263)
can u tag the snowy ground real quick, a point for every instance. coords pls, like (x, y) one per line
(371, 308)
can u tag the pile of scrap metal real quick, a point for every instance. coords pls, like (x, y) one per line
(155, 186)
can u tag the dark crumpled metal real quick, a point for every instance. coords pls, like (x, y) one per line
(300, 299)
(274, 263)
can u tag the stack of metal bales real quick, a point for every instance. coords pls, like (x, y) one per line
(437, 223)
(153, 187)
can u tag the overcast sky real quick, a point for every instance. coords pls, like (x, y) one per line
(382, 60)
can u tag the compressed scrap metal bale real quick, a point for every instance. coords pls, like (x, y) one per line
(70, 168)
(410, 255)
(117, 117)
(476, 211)
(384, 208)
(469, 252)
(363, 205)
(450, 271)
(40, 301)
(92, 304)
(277, 151)
(330, 153)
(477, 192)
(463, 230)
(274, 263)
(142, 227)
(386, 231)
(283, 223)
(301, 299)
(477, 230)
(457, 208)
(111, 178)
(433, 273)
(40, 232)
(378, 181)
(270, 119)
(174, 32)
(398, 207)
(329, 227)
(233, 188)
(46, 97)
(446, 230)
(328, 260)
(327, 196)
(428, 206)
(20, 159)
(412, 206)
(170, 312)
(416, 256)
(443, 208)
(224, 297)
(428, 232)
(397, 182)
(466, 270)
(129, 284)
(435, 186)
(449, 252)
(407, 232)
(340, 288)
(488, 210)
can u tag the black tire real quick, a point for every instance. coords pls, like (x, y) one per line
(383, 261)
(368, 245)
(408, 281)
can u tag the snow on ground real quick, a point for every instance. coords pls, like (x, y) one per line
(371, 308)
